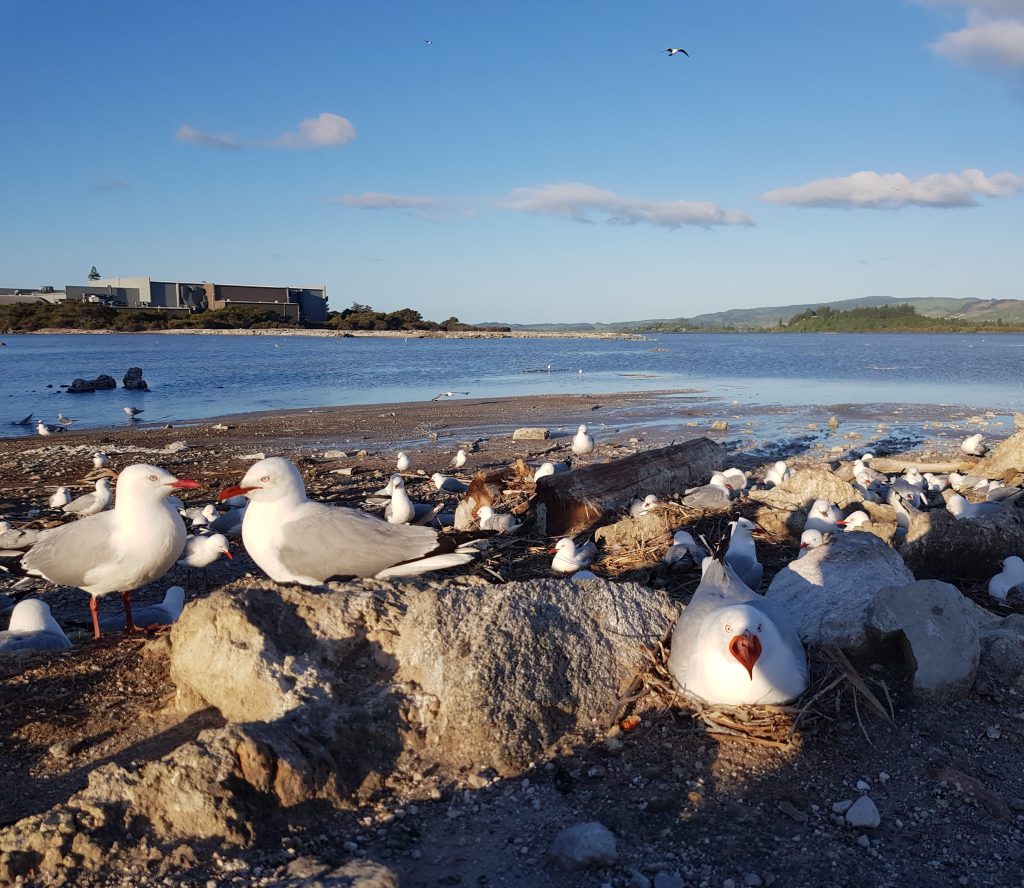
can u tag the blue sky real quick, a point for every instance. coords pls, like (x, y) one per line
(536, 161)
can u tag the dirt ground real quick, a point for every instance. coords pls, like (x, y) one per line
(686, 806)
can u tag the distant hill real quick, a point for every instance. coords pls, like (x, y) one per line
(1006, 310)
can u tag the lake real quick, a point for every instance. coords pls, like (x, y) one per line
(201, 376)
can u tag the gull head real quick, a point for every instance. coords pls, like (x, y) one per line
(582, 430)
(564, 547)
(736, 633)
(744, 524)
(146, 482)
(270, 479)
(32, 615)
(811, 539)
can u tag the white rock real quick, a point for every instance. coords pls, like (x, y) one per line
(583, 845)
(863, 814)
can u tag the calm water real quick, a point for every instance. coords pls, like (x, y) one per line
(193, 377)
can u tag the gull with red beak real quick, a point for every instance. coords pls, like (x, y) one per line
(716, 494)
(120, 550)
(742, 553)
(731, 647)
(296, 540)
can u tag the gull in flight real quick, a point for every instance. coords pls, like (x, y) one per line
(675, 50)
(132, 411)
(438, 397)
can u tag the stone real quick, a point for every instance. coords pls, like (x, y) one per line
(863, 814)
(101, 382)
(1007, 455)
(309, 872)
(939, 545)
(827, 593)
(938, 632)
(785, 506)
(133, 380)
(638, 880)
(664, 879)
(335, 454)
(467, 674)
(583, 846)
(652, 531)
(1001, 661)
(720, 425)
(530, 433)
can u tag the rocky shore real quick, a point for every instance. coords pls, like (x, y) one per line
(473, 729)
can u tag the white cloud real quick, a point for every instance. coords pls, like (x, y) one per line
(375, 200)
(991, 43)
(225, 142)
(584, 203)
(325, 131)
(993, 36)
(889, 191)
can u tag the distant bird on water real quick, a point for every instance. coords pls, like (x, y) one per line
(675, 50)
(65, 420)
(132, 411)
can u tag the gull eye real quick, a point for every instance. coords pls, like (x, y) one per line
(265, 478)
(152, 478)
(728, 628)
(759, 627)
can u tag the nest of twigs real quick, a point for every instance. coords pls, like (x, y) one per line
(836, 689)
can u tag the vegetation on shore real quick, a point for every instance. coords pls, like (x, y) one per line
(26, 317)
(886, 319)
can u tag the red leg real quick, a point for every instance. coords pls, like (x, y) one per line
(94, 608)
(129, 622)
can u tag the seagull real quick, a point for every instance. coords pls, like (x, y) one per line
(912, 475)
(459, 460)
(548, 468)
(428, 42)
(60, 499)
(201, 551)
(64, 420)
(22, 422)
(441, 395)
(33, 628)
(151, 615)
(824, 517)
(502, 522)
(974, 446)
(1011, 576)
(732, 647)
(684, 546)
(855, 520)
(778, 473)
(120, 550)
(43, 429)
(132, 411)
(402, 510)
(448, 484)
(716, 494)
(675, 50)
(100, 460)
(741, 555)
(961, 508)
(92, 503)
(569, 559)
(737, 479)
(582, 442)
(230, 523)
(403, 463)
(295, 540)
(811, 539)
(640, 507)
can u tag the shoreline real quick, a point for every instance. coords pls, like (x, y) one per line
(347, 334)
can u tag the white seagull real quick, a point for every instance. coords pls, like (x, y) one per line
(459, 460)
(441, 395)
(973, 445)
(33, 628)
(502, 522)
(961, 508)
(675, 50)
(60, 499)
(43, 429)
(684, 546)
(824, 517)
(448, 484)
(568, 559)
(403, 463)
(1011, 576)
(401, 509)
(120, 550)
(202, 551)
(295, 540)
(811, 539)
(92, 503)
(65, 420)
(132, 411)
(716, 494)
(100, 460)
(640, 507)
(731, 647)
(582, 442)
(778, 473)
(162, 614)
(741, 555)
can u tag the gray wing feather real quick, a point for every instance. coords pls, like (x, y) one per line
(331, 541)
(65, 555)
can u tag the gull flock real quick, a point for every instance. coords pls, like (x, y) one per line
(730, 646)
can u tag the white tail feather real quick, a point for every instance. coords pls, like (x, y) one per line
(463, 555)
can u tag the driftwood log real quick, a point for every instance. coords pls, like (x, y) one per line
(569, 502)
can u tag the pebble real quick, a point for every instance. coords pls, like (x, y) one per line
(883, 777)
(993, 732)
(752, 880)
(863, 841)
(668, 880)
(863, 785)
(790, 810)
(863, 814)
(584, 845)
(841, 807)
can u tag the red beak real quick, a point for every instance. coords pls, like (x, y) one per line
(229, 492)
(804, 545)
(746, 648)
(552, 551)
(227, 555)
(184, 484)
(840, 524)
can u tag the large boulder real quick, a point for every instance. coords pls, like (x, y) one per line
(827, 593)
(937, 628)
(133, 380)
(783, 509)
(468, 674)
(937, 544)
(1007, 455)
(101, 382)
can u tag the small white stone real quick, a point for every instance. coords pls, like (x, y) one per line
(883, 777)
(841, 807)
(863, 785)
(863, 814)
(863, 841)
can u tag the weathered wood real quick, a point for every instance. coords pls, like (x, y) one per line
(569, 502)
